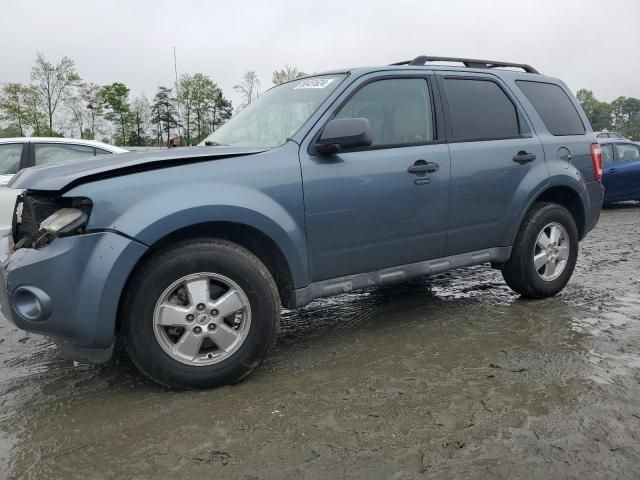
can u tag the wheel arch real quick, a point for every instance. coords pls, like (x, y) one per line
(561, 194)
(247, 236)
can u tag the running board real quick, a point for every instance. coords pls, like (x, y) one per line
(387, 276)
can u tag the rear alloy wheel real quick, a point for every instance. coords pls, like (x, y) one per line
(544, 253)
(200, 314)
(551, 251)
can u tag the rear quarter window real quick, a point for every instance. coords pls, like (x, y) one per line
(554, 106)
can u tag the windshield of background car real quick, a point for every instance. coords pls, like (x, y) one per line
(275, 116)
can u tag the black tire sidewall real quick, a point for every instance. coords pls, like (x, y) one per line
(162, 270)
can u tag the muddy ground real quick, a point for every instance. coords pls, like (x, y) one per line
(450, 377)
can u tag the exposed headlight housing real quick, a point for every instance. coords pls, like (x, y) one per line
(63, 221)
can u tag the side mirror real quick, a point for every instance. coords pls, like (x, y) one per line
(344, 133)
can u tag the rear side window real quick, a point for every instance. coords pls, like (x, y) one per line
(480, 110)
(10, 158)
(607, 153)
(627, 153)
(50, 153)
(554, 107)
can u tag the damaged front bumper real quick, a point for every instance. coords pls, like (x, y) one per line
(69, 290)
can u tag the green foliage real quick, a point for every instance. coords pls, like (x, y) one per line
(20, 105)
(621, 116)
(286, 75)
(164, 114)
(53, 82)
(203, 107)
(115, 98)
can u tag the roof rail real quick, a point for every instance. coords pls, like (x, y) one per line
(468, 62)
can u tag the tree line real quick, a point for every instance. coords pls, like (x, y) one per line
(621, 116)
(58, 102)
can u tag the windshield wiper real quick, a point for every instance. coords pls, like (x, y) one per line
(211, 143)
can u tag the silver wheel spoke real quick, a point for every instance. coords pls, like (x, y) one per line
(198, 291)
(543, 240)
(189, 345)
(224, 336)
(229, 303)
(563, 252)
(540, 260)
(172, 315)
(555, 234)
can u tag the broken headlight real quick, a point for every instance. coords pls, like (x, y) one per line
(64, 221)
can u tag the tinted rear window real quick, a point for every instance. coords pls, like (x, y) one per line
(480, 110)
(554, 107)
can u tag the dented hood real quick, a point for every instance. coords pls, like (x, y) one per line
(64, 176)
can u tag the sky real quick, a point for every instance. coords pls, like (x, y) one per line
(593, 44)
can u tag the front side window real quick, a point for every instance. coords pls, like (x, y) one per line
(554, 106)
(607, 153)
(480, 110)
(51, 153)
(398, 110)
(10, 158)
(276, 115)
(627, 153)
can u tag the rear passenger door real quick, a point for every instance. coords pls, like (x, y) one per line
(492, 151)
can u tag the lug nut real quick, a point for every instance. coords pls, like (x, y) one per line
(190, 318)
(197, 330)
(214, 312)
(200, 306)
(212, 326)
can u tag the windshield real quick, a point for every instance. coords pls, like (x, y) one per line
(275, 116)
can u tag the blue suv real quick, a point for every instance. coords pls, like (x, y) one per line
(326, 184)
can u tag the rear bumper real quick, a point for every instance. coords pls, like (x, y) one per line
(594, 194)
(77, 282)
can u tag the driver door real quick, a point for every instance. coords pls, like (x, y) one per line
(364, 210)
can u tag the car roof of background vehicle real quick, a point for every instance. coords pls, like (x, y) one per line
(605, 141)
(68, 141)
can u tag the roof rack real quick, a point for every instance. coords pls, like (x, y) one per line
(468, 62)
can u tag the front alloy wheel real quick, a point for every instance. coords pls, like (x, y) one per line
(202, 319)
(200, 313)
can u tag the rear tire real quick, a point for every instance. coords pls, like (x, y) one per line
(200, 314)
(545, 252)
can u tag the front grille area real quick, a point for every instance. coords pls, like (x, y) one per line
(35, 209)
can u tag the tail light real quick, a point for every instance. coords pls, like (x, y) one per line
(596, 158)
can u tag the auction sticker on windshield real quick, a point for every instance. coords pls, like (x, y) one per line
(314, 83)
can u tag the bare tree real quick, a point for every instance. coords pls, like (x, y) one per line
(53, 82)
(248, 88)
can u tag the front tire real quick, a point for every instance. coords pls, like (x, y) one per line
(545, 252)
(200, 314)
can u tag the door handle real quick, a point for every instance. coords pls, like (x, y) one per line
(523, 157)
(612, 170)
(422, 166)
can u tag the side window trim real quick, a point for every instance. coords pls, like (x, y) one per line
(523, 127)
(436, 112)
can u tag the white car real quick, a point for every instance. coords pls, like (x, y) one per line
(22, 152)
